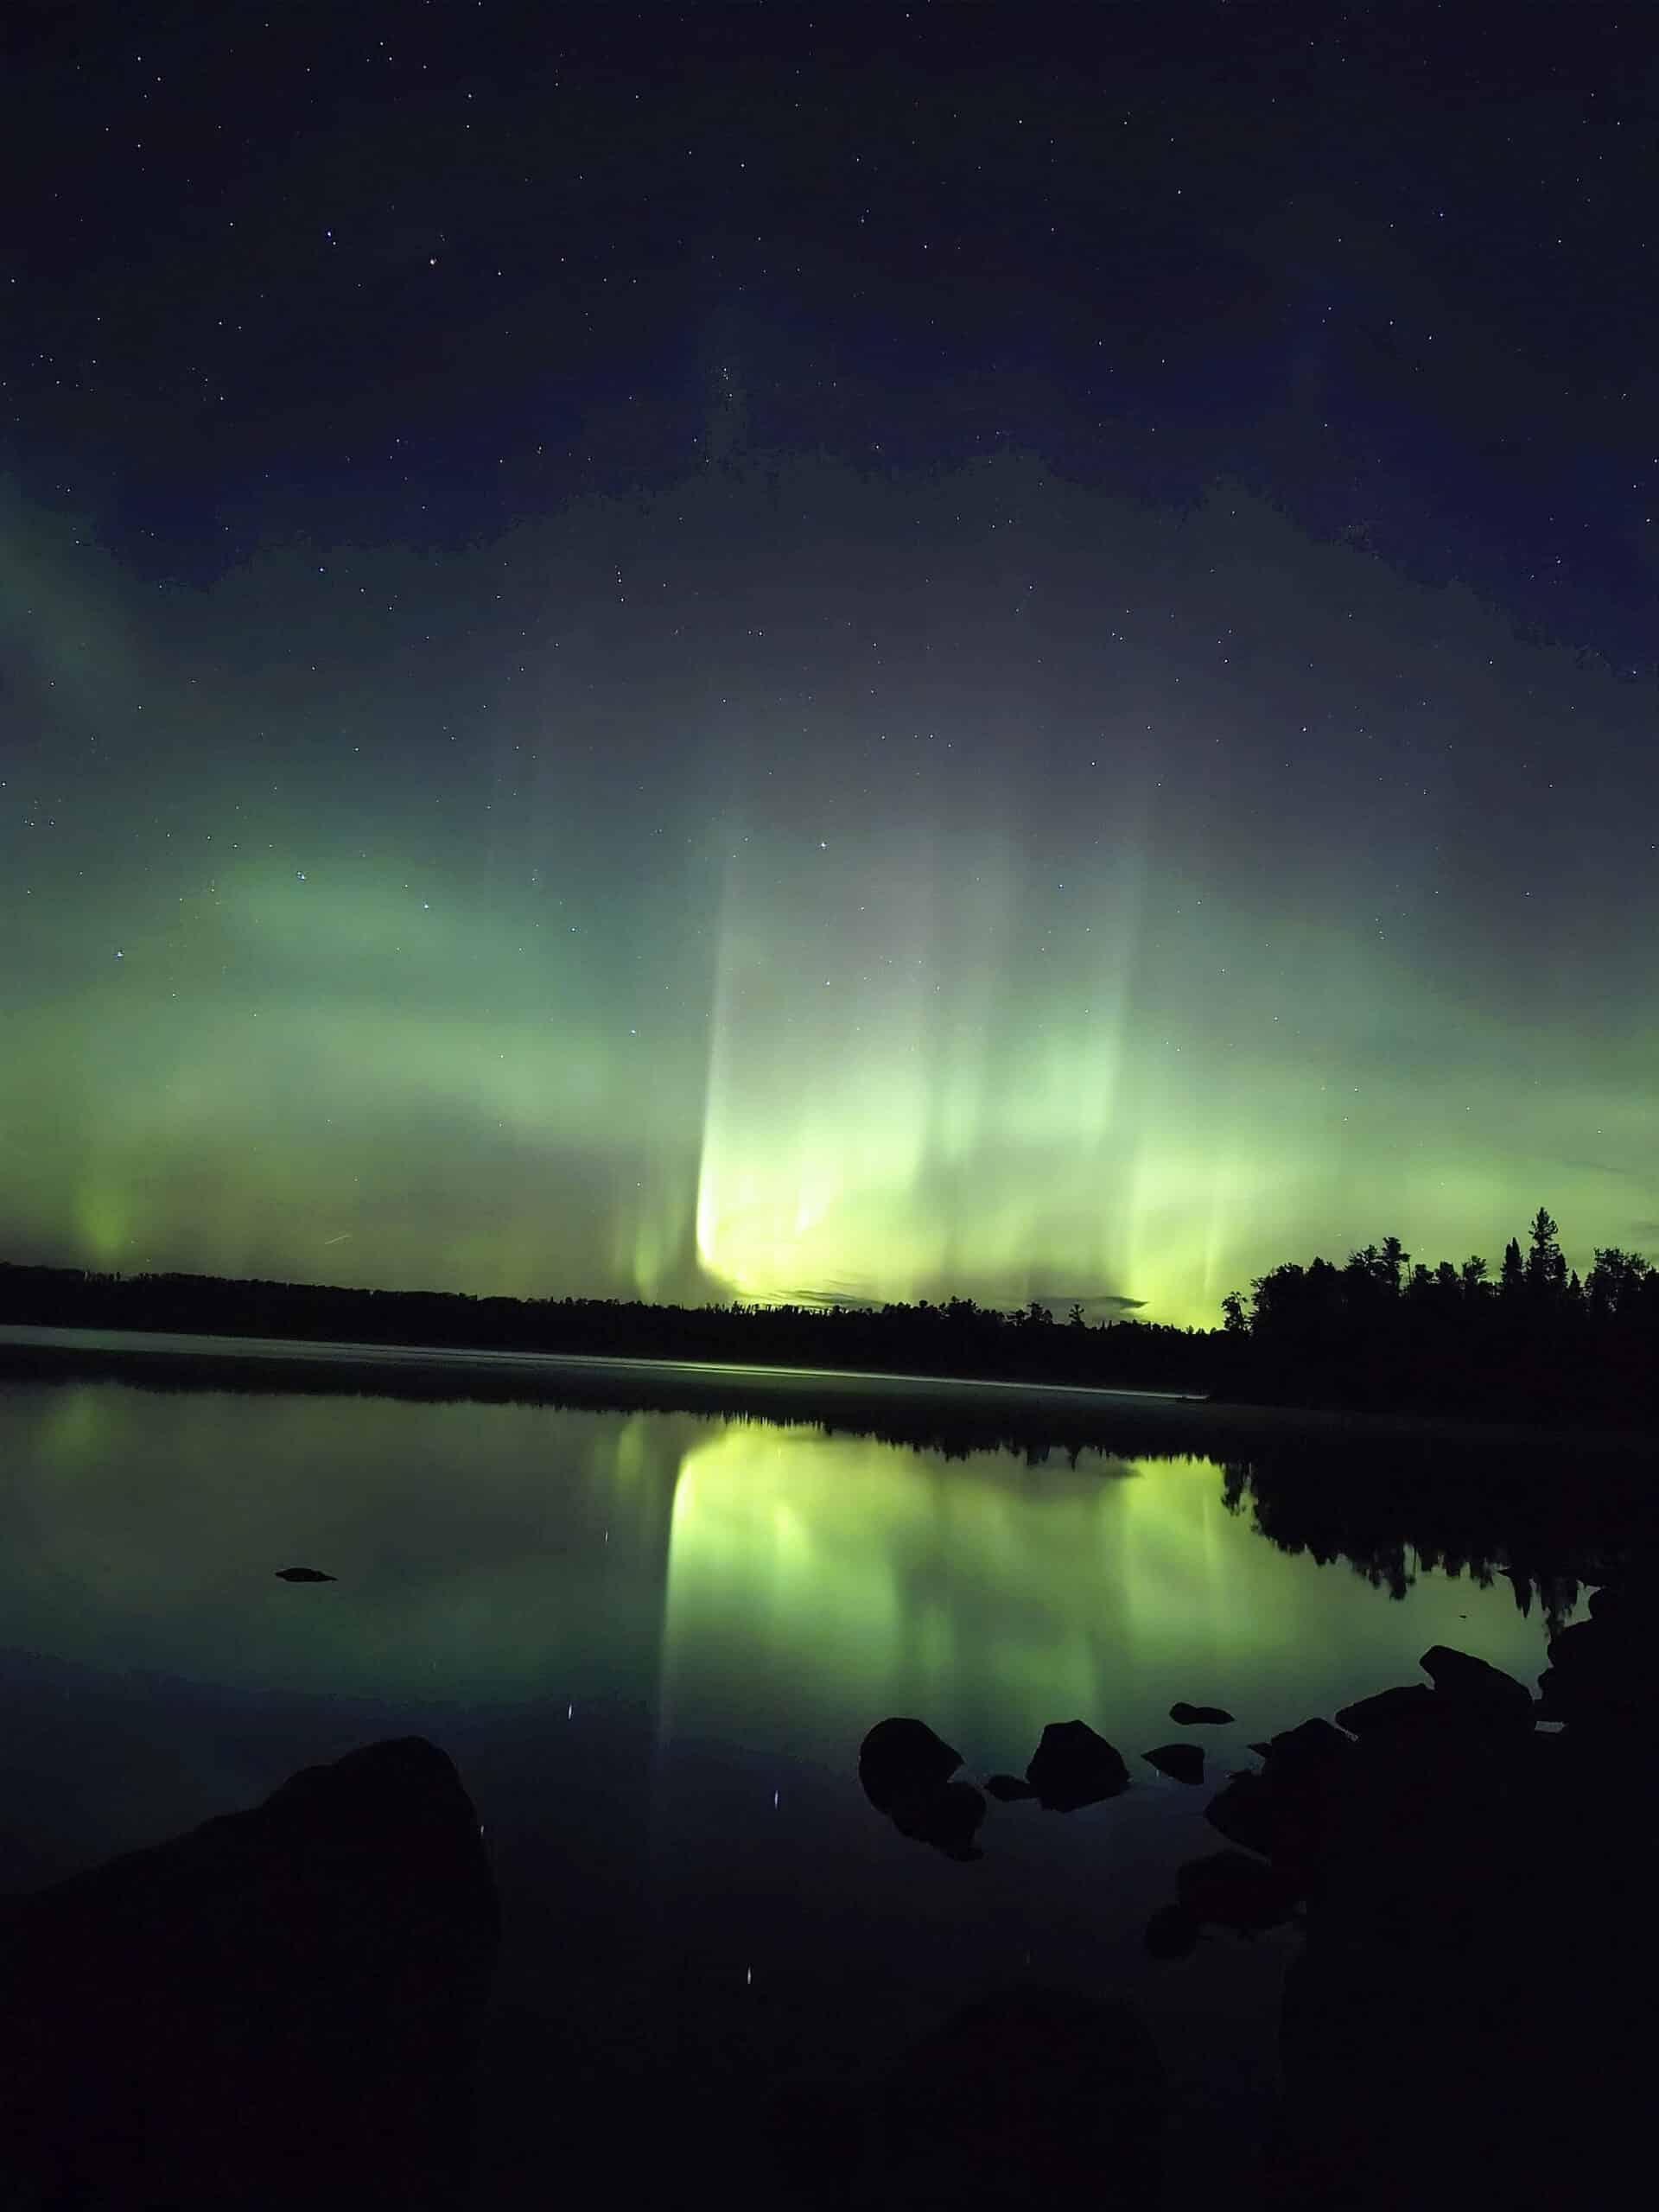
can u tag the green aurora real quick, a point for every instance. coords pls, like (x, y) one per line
(814, 887)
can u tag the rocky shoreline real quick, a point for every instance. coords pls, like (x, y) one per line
(286, 2004)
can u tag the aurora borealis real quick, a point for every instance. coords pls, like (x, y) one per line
(714, 797)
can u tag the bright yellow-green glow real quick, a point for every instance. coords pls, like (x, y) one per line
(878, 935)
(852, 1579)
(772, 1592)
(1137, 1155)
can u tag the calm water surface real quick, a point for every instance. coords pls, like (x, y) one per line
(651, 1642)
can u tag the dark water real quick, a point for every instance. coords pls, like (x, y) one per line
(651, 1641)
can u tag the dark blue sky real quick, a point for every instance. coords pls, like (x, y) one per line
(408, 272)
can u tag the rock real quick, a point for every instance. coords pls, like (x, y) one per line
(1072, 1767)
(1475, 1687)
(1007, 1788)
(1232, 1889)
(906, 1769)
(1181, 1761)
(1245, 1812)
(903, 1758)
(1470, 2019)
(1586, 1646)
(1029, 2096)
(1604, 1670)
(948, 1816)
(302, 1574)
(1311, 1745)
(1284, 1812)
(280, 2006)
(1262, 1750)
(1406, 1707)
(1194, 1716)
(1172, 1932)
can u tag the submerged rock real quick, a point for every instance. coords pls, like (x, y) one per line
(1072, 1767)
(304, 1574)
(1172, 1933)
(1195, 1716)
(948, 1816)
(1181, 1761)
(1229, 1889)
(1007, 1788)
(281, 2007)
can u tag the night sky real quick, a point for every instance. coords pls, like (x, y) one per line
(849, 654)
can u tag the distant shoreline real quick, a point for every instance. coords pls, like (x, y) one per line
(1058, 1413)
(1350, 1351)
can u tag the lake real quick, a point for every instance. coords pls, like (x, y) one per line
(653, 1638)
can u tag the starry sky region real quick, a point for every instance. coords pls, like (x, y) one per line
(737, 653)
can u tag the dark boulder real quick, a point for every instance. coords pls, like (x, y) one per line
(1072, 1767)
(1478, 1689)
(1195, 1716)
(1403, 1708)
(1246, 1812)
(1181, 1761)
(1468, 2020)
(903, 1758)
(1603, 1671)
(1307, 1748)
(1285, 1811)
(1609, 1602)
(304, 1574)
(906, 1771)
(281, 2007)
(1008, 1788)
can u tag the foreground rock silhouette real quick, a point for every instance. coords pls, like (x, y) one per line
(1467, 2022)
(278, 2008)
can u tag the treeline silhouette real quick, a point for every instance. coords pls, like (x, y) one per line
(958, 1340)
(1534, 1343)
(1378, 1333)
(1396, 1508)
